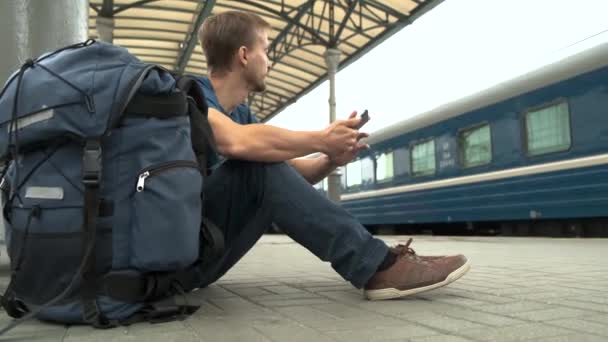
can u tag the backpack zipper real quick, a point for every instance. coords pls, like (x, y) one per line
(153, 170)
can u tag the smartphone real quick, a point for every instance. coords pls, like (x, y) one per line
(364, 119)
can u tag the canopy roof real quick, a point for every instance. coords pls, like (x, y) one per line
(165, 32)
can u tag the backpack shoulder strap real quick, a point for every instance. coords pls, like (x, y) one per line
(203, 140)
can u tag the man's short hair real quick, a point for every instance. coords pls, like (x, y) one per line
(221, 36)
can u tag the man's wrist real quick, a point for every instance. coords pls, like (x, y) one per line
(331, 165)
(318, 139)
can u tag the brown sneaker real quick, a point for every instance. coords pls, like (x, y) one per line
(412, 274)
(406, 249)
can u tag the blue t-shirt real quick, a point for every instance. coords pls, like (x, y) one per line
(241, 115)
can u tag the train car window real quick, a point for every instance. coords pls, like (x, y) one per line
(423, 158)
(353, 173)
(384, 166)
(401, 161)
(343, 178)
(476, 146)
(548, 129)
(367, 170)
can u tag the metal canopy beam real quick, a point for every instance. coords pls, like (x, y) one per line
(334, 40)
(284, 16)
(192, 37)
(392, 29)
(107, 9)
(302, 29)
(272, 49)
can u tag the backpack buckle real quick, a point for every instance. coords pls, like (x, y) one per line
(91, 162)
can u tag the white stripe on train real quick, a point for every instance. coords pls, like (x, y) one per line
(484, 177)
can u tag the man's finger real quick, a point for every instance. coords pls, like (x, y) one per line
(352, 122)
(362, 136)
(353, 114)
(361, 147)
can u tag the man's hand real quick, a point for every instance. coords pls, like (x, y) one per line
(341, 136)
(341, 159)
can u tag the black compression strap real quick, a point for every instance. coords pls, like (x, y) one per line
(162, 107)
(91, 177)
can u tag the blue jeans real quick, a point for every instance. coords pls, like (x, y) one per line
(244, 198)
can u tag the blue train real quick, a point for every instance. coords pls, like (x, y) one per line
(526, 157)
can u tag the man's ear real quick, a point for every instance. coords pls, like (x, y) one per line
(242, 55)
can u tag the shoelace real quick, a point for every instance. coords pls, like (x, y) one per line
(405, 250)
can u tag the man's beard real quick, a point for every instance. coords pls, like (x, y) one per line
(258, 85)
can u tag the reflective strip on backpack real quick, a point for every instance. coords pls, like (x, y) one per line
(44, 192)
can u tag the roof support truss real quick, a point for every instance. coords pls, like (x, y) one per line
(192, 37)
(302, 31)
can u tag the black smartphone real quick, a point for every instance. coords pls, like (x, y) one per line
(364, 119)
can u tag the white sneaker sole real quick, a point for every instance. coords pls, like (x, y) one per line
(391, 293)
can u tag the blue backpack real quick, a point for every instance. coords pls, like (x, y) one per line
(105, 157)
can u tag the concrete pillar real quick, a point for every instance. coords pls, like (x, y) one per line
(105, 28)
(29, 28)
(332, 59)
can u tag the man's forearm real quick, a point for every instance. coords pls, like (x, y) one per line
(259, 142)
(268, 143)
(313, 170)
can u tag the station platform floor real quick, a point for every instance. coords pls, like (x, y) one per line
(537, 289)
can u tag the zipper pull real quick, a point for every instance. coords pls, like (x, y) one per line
(142, 180)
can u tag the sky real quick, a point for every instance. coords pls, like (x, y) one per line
(458, 48)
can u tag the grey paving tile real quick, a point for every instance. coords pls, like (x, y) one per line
(547, 296)
(585, 286)
(512, 307)
(350, 296)
(456, 300)
(294, 302)
(400, 333)
(596, 318)
(517, 291)
(321, 283)
(214, 291)
(225, 330)
(334, 287)
(481, 317)
(549, 314)
(598, 299)
(40, 336)
(574, 303)
(232, 283)
(572, 338)
(155, 336)
(237, 306)
(365, 321)
(89, 334)
(282, 330)
(307, 315)
(406, 307)
(340, 310)
(442, 322)
(582, 325)
(287, 296)
(515, 332)
(440, 338)
(566, 288)
(487, 298)
(251, 291)
(282, 289)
